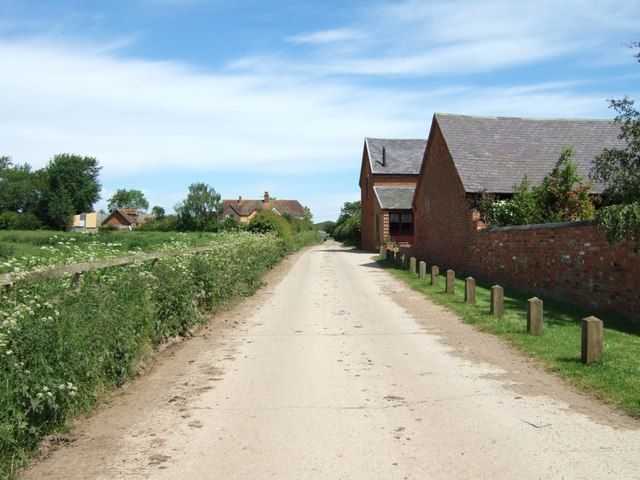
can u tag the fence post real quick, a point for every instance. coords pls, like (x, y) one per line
(412, 265)
(592, 339)
(435, 276)
(534, 316)
(403, 261)
(383, 252)
(76, 280)
(450, 283)
(497, 300)
(470, 290)
(422, 269)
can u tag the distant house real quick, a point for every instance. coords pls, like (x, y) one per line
(87, 222)
(244, 210)
(388, 176)
(126, 218)
(466, 155)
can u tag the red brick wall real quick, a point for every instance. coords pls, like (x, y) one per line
(571, 262)
(442, 220)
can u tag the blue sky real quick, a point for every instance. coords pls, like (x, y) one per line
(251, 95)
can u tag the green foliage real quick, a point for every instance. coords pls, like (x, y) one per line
(348, 226)
(294, 233)
(70, 185)
(61, 349)
(19, 221)
(170, 223)
(158, 212)
(308, 216)
(619, 170)
(124, 198)
(327, 226)
(20, 187)
(201, 208)
(561, 197)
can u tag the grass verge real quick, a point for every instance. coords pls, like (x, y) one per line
(615, 380)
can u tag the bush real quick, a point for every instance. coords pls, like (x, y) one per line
(19, 221)
(61, 349)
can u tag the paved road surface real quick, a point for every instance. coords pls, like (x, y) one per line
(337, 371)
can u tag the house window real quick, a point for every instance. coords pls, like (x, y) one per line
(400, 223)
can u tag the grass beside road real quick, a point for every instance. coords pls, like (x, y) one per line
(616, 380)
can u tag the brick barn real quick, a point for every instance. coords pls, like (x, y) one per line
(466, 154)
(388, 176)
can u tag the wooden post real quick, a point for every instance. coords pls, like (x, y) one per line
(592, 339)
(534, 316)
(403, 261)
(497, 300)
(412, 265)
(470, 290)
(76, 280)
(435, 276)
(450, 284)
(383, 252)
(422, 269)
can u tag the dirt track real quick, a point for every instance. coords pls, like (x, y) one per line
(336, 370)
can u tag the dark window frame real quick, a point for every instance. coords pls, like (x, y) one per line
(401, 222)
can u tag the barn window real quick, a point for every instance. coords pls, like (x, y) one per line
(400, 223)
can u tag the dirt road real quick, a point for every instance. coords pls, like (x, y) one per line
(336, 370)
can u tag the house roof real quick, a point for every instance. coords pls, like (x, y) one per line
(246, 207)
(494, 153)
(394, 196)
(402, 156)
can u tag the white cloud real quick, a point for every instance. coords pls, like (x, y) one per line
(419, 38)
(327, 36)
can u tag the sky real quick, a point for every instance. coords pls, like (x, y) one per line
(252, 96)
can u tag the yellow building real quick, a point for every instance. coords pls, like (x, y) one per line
(87, 222)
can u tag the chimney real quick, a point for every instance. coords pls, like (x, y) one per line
(384, 156)
(266, 197)
(239, 198)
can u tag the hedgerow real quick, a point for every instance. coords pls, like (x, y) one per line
(62, 348)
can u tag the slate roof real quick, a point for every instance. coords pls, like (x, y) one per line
(246, 207)
(402, 156)
(392, 197)
(495, 152)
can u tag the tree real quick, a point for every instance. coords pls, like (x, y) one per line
(348, 226)
(201, 206)
(308, 216)
(619, 170)
(124, 198)
(158, 212)
(19, 187)
(563, 196)
(70, 185)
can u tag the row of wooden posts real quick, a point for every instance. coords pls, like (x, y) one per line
(592, 327)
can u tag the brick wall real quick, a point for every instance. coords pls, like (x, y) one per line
(442, 219)
(570, 261)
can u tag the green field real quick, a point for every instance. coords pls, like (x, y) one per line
(616, 380)
(27, 250)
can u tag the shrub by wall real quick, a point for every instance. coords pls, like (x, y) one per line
(61, 348)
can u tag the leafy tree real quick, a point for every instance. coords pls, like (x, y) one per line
(308, 216)
(619, 170)
(348, 226)
(70, 185)
(158, 212)
(201, 207)
(20, 187)
(124, 198)
(563, 196)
